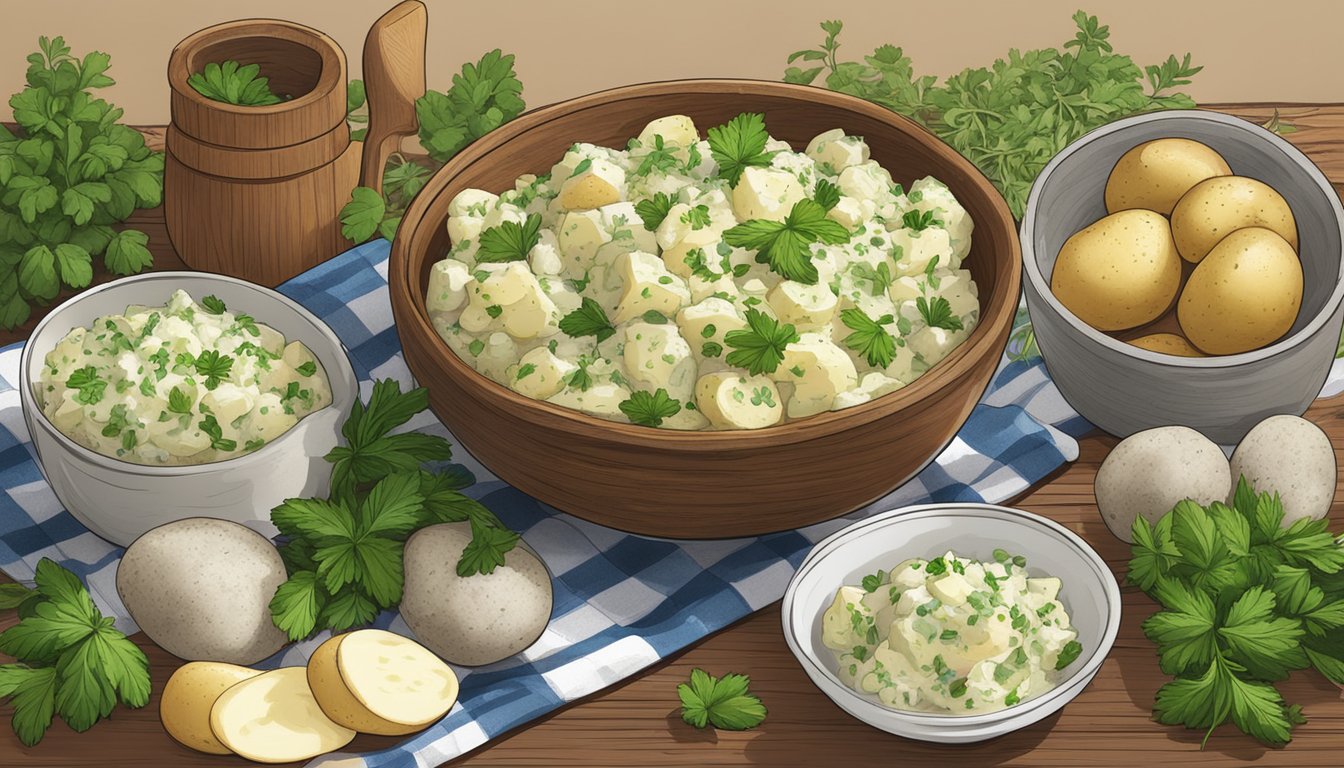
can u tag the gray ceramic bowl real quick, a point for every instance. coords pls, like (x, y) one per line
(119, 500)
(1124, 389)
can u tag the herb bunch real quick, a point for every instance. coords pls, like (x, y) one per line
(1012, 117)
(483, 96)
(1245, 601)
(233, 83)
(344, 553)
(68, 175)
(723, 702)
(71, 660)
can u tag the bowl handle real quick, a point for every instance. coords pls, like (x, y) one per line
(394, 77)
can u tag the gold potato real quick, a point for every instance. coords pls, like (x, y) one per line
(1155, 174)
(373, 681)
(1217, 207)
(1120, 272)
(1167, 344)
(188, 696)
(1244, 295)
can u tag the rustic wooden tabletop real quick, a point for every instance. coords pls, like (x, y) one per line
(638, 722)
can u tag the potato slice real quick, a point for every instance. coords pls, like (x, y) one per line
(273, 718)
(380, 682)
(188, 697)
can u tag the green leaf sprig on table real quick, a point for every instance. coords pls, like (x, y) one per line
(67, 176)
(725, 703)
(1012, 117)
(1245, 600)
(234, 83)
(344, 553)
(483, 96)
(70, 659)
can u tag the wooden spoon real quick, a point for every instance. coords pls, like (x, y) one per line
(394, 77)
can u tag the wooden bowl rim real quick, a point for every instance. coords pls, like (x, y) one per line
(999, 308)
(331, 75)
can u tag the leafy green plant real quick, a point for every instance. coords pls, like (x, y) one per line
(483, 96)
(69, 659)
(1245, 600)
(1012, 117)
(344, 553)
(233, 83)
(725, 703)
(68, 175)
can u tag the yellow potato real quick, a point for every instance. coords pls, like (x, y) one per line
(373, 681)
(188, 697)
(1155, 174)
(1244, 295)
(1167, 344)
(1120, 272)
(1217, 207)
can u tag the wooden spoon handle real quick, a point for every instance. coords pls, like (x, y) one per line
(394, 77)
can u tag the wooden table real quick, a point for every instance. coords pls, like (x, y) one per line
(638, 722)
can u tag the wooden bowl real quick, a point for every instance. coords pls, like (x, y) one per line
(704, 484)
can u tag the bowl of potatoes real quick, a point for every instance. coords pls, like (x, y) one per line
(1184, 267)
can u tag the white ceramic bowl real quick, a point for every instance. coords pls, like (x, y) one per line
(119, 500)
(1089, 593)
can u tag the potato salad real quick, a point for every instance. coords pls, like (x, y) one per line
(728, 282)
(951, 635)
(185, 383)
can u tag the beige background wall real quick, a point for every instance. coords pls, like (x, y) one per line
(1292, 52)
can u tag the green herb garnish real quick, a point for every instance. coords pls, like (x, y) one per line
(650, 408)
(786, 245)
(724, 703)
(760, 346)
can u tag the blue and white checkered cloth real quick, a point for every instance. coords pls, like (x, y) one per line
(622, 602)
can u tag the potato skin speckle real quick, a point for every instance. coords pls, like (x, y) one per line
(1120, 272)
(1219, 206)
(1244, 295)
(1154, 175)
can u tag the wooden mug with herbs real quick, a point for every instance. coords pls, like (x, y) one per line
(256, 191)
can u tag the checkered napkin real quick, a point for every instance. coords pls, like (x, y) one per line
(622, 602)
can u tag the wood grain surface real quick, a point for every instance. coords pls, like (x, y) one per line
(638, 723)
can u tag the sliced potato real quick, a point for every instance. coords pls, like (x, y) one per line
(188, 697)
(379, 682)
(273, 718)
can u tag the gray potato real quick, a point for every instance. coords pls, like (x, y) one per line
(1293, 457)
(479, 619)
(1150, 471)
(201, 589)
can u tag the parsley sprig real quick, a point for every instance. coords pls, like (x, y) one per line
(740, 144)
(70, 659)
(725, 703)
(1244, 602)
(786, 245)
(509, 241)
(588, 320)
(653, 210)
(760, 346)
(344, 553)
(869, 338)
(650, 408)
(234, 83)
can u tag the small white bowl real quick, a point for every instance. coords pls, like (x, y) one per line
(119, 500)
(1089, 593)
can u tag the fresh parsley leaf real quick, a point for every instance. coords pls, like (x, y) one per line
(213, 366)
(215, 432)
(361, 216)
(11, 595)
(724, 703)
(588, 320)
(786, 245)
(826, 194)
(697, 217)
(653, 210)
(213, 305)
(760, 346)
(937, 313)
(88, 383)
(509, 241)
(650, 408)
(483, 96)
(869, 338)
(307, 368)
(486, 550)
(919, 221)
(740, 144)
(1068, 654)
(297, 604)
(234, 83)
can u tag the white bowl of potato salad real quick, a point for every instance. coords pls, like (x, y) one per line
(952, 622)
(175, 394)
(723, 281)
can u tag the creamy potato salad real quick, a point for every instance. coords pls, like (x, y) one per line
(951, 635)
(720, 283)
(185, 383)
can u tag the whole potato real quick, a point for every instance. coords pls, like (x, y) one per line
(1155, 174)
(1120, 272)
(1217, 207)
(478, 619)
(1292, 457)
(201, 589)
(1243, 295)
(1167, 344)
(1148, 472)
